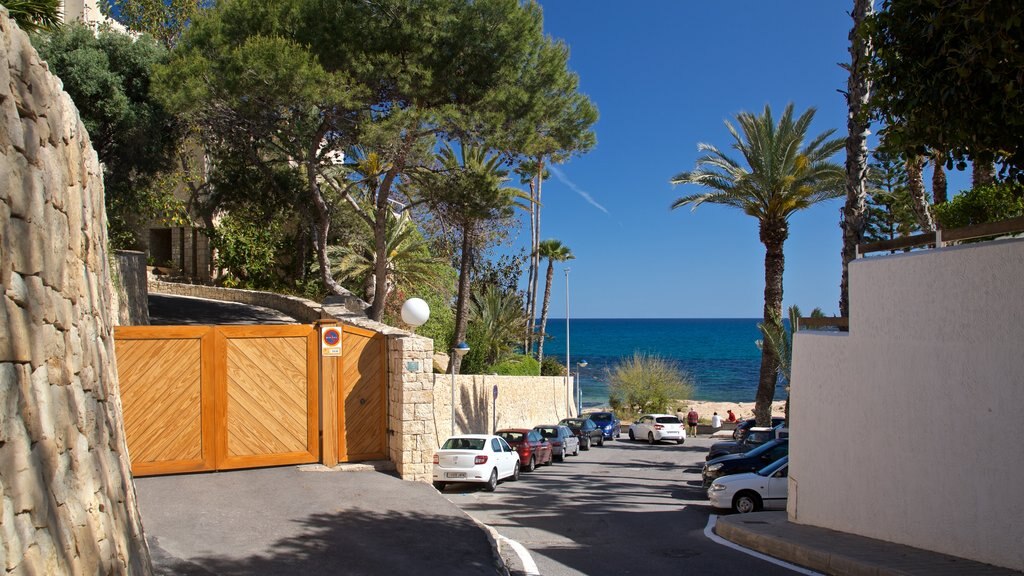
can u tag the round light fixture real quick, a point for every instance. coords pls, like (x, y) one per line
(415, 312)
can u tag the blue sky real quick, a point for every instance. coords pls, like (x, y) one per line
(665, 75)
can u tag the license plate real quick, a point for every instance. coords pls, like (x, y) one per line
(455, 475)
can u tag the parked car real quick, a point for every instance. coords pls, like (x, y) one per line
(743, 427)
(608, 423)
(766, 489)
(563, 441)
(586, 430)
(533, 449)
(756, 459)
(658, 427)
(475, 458)
(754, 438)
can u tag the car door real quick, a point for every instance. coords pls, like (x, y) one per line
(778, 489)
(507, 458)
(643, 426)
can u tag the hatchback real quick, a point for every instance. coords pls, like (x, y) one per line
(533, 449)
(766, 489)
(658, 427)
(586, 430)
(563, 441)
(475, 458)
(607, 422)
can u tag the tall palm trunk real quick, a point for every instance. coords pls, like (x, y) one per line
(939, 191)
(380, 268)
(462, 300)
(531, 319)
(544, 312)
(535, 241)
(982, 173)
(858, 91)
(773, 236)
(918, 198)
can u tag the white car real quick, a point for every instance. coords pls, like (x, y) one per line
(475, 458)
(766, 489)
(658, 427)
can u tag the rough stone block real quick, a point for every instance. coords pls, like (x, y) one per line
(16, 340)
(10, 540)
(36, 302)
(17, 290)
(425, 411)
(26, 255)
(56, 253)
(30, 140)
(419, 397)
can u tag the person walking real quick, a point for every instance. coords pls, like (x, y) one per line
(716, 421)
(691, 421)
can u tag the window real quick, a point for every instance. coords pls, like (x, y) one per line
(495, 445)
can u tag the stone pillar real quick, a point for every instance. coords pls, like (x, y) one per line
(411, 427)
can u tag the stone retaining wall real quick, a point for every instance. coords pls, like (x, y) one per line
(68, 504)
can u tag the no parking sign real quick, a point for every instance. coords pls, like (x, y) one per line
(330, 342)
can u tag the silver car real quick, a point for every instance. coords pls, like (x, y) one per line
(563, 441)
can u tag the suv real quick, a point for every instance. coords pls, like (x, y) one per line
(586, 430)
(608, 423)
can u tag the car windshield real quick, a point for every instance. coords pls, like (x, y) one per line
(774, 466)
(601, 417)
(464, 444)
(667, 420)
(511, 436)
(548, 432)
(764, 447)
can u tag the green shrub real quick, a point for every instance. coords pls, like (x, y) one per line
(517, 365)
(551, 367)
(643, 384)
(983, 204)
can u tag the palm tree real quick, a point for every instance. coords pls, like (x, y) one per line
(781, 176)
(35, 15)
(554, 251)
(467, 191)
(499, 323)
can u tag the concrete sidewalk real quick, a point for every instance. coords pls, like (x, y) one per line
(307, 520)
(831, 552)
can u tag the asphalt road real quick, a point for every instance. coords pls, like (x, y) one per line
(625, 508)
(167, 309)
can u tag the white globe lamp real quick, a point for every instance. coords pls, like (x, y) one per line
(415, 312)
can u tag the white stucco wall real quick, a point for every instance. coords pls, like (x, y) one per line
(908, 428)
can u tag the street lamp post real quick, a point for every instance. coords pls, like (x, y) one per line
(579, 386)
(568, 366)
(459, 350)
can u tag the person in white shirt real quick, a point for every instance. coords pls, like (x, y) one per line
(716, 421)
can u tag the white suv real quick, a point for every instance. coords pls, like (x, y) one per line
(658, 427)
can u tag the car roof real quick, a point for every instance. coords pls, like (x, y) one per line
(520, 430)
(474, 436)
(657, 415)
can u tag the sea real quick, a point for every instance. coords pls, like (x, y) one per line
(720, 355)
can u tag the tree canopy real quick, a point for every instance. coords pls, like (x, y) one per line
(947, 76)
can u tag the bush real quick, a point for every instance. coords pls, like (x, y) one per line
(643, 384)
(991, 203)
(551, 367)
(517, 365)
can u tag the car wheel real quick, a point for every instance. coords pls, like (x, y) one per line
(551, 459)
(492, 482)
(561, 455)
(586, 444)
(681, 440)
(746, 502)
(515, 473)
(576, 452)
(532, 465)
(650, 437)
(631, 436)
(440, 486)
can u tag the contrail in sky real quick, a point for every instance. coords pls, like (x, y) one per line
(586, 196)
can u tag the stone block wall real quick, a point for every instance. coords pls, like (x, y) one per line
(68, 504)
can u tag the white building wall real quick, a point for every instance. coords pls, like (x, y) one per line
(908, 428)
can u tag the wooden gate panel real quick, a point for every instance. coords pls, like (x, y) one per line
(166, 398)
(362, 410)
(267, 402)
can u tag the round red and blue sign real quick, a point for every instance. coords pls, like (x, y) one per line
(332, 336)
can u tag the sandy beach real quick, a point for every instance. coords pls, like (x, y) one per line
(742, 410)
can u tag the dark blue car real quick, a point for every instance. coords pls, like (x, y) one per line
(607, 422)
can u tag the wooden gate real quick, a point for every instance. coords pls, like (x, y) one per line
(362, 401)
(218, 397)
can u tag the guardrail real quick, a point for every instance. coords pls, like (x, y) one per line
(940, 238)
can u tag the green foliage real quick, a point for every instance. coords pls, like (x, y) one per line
(164, 20)
(946, 76)
(499, 324)
(517, 365)
(991, 203)
(646, 383)
(35, 15)
(246, 243)
(108, 77)
(779, 338)
(890, 212)
(550, 366)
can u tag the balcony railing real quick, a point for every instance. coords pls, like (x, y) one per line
(940, 238)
